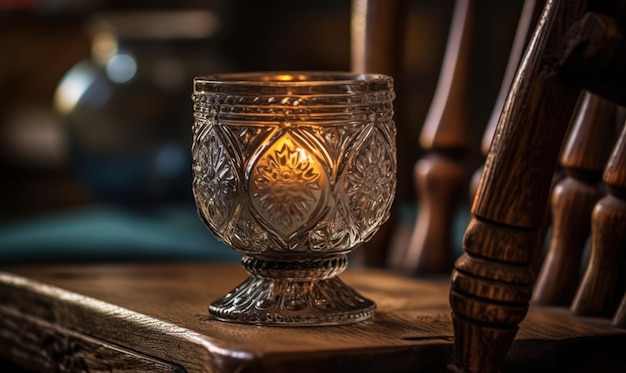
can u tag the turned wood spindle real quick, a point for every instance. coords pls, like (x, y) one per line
(600, 289)
(584, 157)
(492, 281)
(440, 177)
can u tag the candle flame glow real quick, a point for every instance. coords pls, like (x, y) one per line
(288, 183)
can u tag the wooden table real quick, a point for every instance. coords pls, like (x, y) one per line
(154, 317)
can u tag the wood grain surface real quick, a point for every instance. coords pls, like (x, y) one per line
(492, 281)
(159, 313)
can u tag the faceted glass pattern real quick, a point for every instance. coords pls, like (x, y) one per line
(294, 170)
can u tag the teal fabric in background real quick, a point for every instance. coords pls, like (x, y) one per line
(110, 234)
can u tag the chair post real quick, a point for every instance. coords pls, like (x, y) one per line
(584, 157)
(441, 175)
(491, 283)
(599, 290)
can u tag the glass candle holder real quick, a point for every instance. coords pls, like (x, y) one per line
(293, 170)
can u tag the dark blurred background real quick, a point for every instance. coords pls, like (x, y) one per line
(95, 108)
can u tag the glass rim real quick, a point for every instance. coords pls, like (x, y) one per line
(291, 78)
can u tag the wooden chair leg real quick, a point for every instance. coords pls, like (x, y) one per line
(599, 290)
(492, 281)
(441, 176)
(584, 157)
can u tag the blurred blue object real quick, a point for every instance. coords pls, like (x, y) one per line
(110, 234)
(127, 109)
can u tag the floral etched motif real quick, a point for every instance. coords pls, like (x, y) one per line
(287, 185)
(214, 182)
(370, 182)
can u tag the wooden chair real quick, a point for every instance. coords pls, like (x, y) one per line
(441, 176)
(575, 46)
(492, 282)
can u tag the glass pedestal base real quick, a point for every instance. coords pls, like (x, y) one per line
(293, 300)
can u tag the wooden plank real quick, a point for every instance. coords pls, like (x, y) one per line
(41, 346)
(161, 311)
